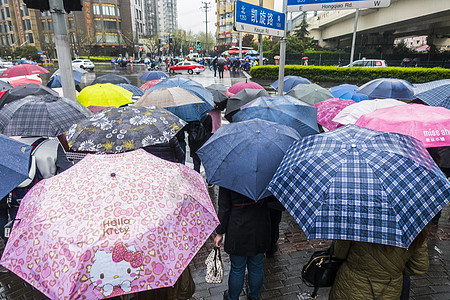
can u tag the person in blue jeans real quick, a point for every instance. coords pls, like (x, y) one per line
(246, 226)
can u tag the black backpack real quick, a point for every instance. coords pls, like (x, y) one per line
(198, 134)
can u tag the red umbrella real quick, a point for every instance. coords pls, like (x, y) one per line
(149, 84)
(237, 87)
(305, 57)
(21, 81)
(21, 70)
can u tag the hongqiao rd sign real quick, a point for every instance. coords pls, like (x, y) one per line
(309, 5)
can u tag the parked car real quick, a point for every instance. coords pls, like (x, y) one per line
(369, 63)
(83, 64)
(187, 66)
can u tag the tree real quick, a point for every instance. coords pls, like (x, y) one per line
(402, 49)
(301, 30)
(247, 40)
(27, 51)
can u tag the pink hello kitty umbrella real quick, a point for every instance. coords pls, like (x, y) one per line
(328, 109)
(110, 225)
(429, 124)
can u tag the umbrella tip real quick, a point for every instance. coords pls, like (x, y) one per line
(257, 131)
(113, 174)
(353, 145)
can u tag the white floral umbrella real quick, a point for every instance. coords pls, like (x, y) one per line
(123, 129)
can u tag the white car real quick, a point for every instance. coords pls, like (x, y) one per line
(83, 64)
(369, 63)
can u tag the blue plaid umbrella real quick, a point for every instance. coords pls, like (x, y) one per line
(422, 87)
(437, 96)
(55, 80)
(192, 112)
(153, 75)
(283, 110)
(387, 88)
(244, 156)
(348, 91)
(357, 184)
(14, 164)
(132, 88)
(290, 82)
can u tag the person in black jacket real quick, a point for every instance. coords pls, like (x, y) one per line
(199, 132)
(246, 225)
(170, 151)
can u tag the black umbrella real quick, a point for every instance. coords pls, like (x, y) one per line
(111, 78)
(5, 86)
(220, 96)
(21, 91)
(243, 97)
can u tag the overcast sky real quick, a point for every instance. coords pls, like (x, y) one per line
(190, 16)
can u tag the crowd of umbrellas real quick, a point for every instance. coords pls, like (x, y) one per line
(347, 163)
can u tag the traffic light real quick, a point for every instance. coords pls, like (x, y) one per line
(170, 40)
(198, 45)
(69, 5)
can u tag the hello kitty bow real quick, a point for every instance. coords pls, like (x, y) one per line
(120, 253)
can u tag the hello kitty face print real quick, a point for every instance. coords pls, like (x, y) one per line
(117, 269)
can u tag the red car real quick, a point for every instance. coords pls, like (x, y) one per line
(187, 66)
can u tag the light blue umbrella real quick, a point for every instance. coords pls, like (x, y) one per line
(14, 164)
(290, 82)
(283, 110)
(387, 88)
(357, 184)
(153, 75)
(132, 88)
(55, 80)
(192, 112)
(244, 156)
(252, 52)
(348, 92)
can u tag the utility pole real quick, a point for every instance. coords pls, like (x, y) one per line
(260, 39)
(63, 48)
(282, 54)
(205, 7)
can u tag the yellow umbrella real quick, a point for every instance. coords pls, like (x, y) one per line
(105, 94)
(168, 97)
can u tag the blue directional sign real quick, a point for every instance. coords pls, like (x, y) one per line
(257, 19)
(308, 5)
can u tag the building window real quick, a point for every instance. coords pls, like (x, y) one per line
(44, 25)
(108, 10)
(11, 39)
(97, 24)
(24, 11)
(99, 38)
(71, 23)
(110, 25)
(50, 25)
(10, 28)
(112, 38)
(4, 41)
(7, 13)
(26, 24)
(95, 9)
(29, 37)
(46, 39)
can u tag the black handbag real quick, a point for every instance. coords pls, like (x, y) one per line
(321, 269)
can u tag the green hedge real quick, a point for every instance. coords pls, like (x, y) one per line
(352, 75)
(97, 58)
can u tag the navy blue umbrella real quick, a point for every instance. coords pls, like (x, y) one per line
(290, 81)
(14, 164)
(348, 92)
(191, 112)
(153, 75)
(55, 80)
(283, 110)
(388, 88)
(244, 156)
(132, 88)
(357, 184)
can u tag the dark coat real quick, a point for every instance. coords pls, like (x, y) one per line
(170, 151)
(245, 223)
(195, 144)
(374, 271)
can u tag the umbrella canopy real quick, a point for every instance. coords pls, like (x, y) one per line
(348, 91)
(357, 184)
(219, 93)
(284, 110)
(153, 75)
(110, 225)
(60, 91)
(422, 87)
(4, 86)
(351, 113)
(429, 124)
(290, 81)
(168, 97)
(310, 93)
(21, 70)
(252, 52)
(106, 94)
(437, 96)
(328, 109)
(387, 88)
(14, 164)
(193, 87)
(47, 116)
(111, 78)
(22, 81)
(97, 109)
(137, 92)
(149, 84)
(225, 53)
(55, 80)
(244, 156)
(22, 91)
(245, 96)
(237, 87)
(123, 129)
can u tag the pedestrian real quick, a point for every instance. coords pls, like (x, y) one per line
(221, 62)
(375, 271)
(214, 65)
(199, 132)
(276, 211)
(246, 226)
